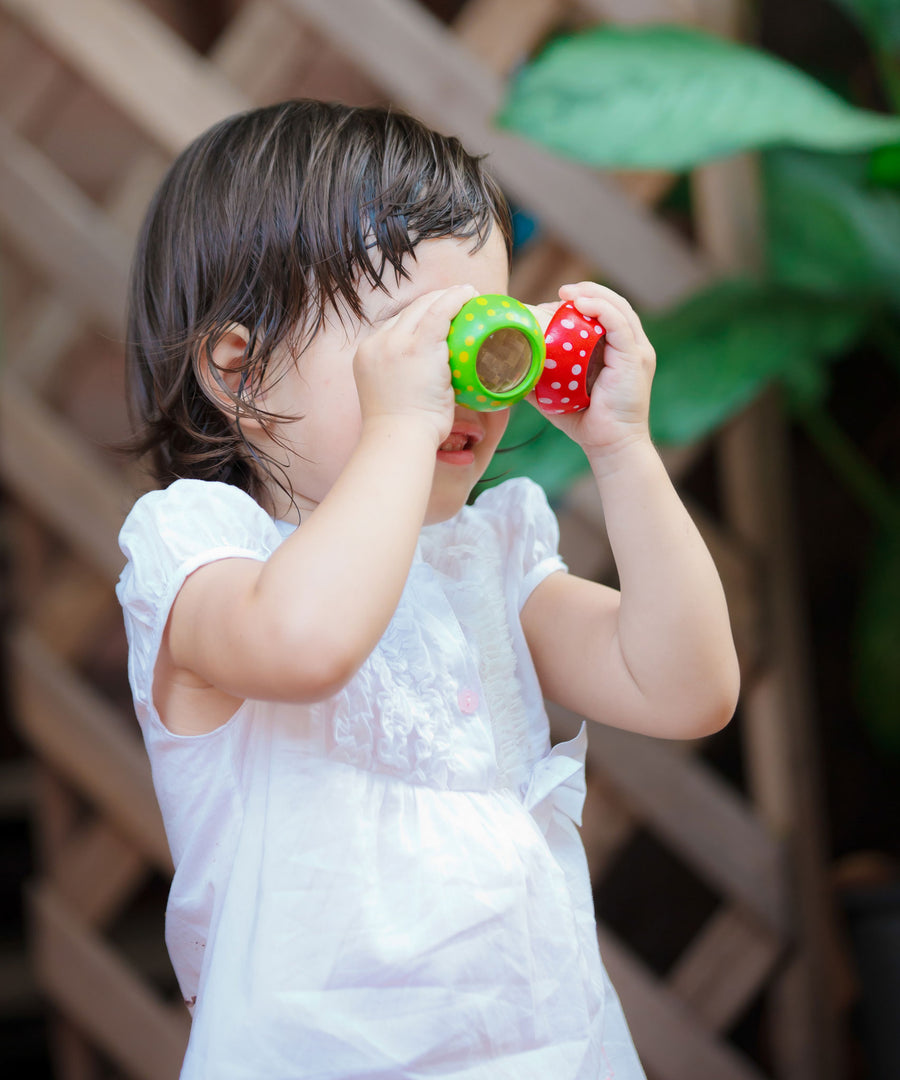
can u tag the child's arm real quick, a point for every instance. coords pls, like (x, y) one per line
(657, 656)
(297, 626)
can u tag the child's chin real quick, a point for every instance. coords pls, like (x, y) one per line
(444, 505)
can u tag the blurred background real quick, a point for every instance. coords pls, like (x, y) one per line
(731, 168)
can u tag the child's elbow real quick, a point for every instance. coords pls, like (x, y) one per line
(325, 672)
(304, 668)
(718, 705)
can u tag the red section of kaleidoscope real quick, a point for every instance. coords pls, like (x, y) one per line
(564, 385)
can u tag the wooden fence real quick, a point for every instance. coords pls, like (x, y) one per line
(96, 96)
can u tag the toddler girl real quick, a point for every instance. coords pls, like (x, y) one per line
(338, 666)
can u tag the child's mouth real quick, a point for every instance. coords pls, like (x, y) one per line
(459, 446)
(456, 442)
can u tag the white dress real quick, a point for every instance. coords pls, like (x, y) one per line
(389, 883)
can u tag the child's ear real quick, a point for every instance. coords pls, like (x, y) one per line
(221, 371)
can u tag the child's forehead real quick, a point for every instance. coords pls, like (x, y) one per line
(438, 263)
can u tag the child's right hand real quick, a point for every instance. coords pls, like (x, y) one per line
(402, 366)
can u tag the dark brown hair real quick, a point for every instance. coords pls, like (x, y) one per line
(271, 219)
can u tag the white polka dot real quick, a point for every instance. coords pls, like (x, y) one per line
(565, 401)
(550, 363)
(569, 324)
(584, 333)
(567, 345)
(581, 352)
(598, 329)
(573, 385)
(576, 368)
(555, 386)
(546, 400)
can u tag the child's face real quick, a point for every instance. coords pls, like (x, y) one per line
(320, 390)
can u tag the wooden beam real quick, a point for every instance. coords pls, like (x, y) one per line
(502, 41)
(83, 739)
(34, 82)
(781, 741)
(699, 816)
(725, 966)
(133, 58)
(55, 474)
(70, 607)
(671, 1041)
(102, 995)
(425, 69)
(262, 28)
(97, 871)
(67, 237)
(642, 11)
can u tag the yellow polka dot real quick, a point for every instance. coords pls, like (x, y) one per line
(491, 311)
(463, 357)
(481, 300)
(470, 388)
(469, 316)
(457, 374)
(481, 398)
(505, 303)
(470, 340)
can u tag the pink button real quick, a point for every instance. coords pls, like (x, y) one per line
(468, 701)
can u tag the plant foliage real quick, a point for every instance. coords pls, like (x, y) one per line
(673, 98)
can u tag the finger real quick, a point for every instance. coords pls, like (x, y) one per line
(597, 300)
(434, 308)
(594, 299)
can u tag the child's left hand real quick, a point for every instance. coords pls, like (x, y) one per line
(620, 398)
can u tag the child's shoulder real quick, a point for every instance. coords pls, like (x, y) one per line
(192, 496)
(192, 517)
(190, 501)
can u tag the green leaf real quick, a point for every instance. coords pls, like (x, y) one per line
(718, 350)
(533, 447)
(884, 166)
(667, 97)
(828, 230)
(876, 643)
(878, 19)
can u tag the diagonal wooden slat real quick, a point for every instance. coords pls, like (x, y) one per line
(82, 737)
(62, 232)
(136, 60)
(698, 815)
(424, 67)
(725, 966)
(673, 1042)
(645, 11)
(97, 871)
(55, 473)
(84, 977)
(486, 28)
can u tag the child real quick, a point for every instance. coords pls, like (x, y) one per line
(337, 665)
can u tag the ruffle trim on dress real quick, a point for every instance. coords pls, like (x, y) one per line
(557, 782)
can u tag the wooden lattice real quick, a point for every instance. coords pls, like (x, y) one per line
(112, 77)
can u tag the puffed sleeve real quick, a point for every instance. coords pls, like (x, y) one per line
(167, 536)
(528, 533)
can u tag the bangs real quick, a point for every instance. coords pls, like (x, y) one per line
(398, 185)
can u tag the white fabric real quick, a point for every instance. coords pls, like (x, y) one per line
(388, 883)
